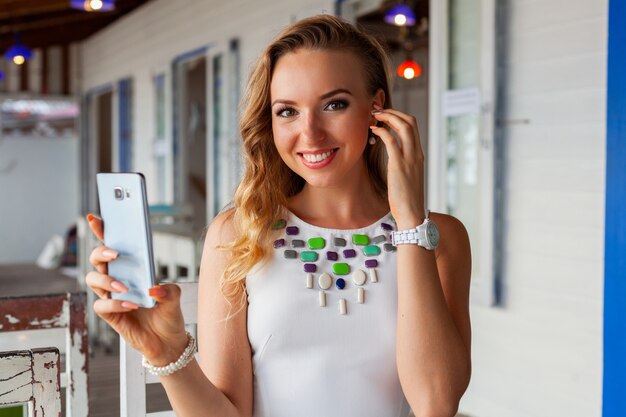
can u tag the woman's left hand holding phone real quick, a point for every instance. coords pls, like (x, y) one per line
(159, 333)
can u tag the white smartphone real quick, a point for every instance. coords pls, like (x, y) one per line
(124, 211)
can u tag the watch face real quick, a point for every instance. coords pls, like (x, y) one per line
(432, 234)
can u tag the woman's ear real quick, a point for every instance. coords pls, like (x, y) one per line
(379, 98)
(377, 101)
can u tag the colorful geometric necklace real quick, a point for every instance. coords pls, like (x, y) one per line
(342, 253)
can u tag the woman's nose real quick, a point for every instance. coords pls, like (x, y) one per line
(312, 128)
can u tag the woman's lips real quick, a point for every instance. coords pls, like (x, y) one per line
(316, 160)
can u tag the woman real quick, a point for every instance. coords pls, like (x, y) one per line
(354, 327)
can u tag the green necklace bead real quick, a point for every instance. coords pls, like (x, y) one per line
(360, 240)
(341, 268)
(308, 256)
(371, 250)
(317, 243)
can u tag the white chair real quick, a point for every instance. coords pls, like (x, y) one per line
(133, 378)
(32, 377)
(52, 320)
(176, 256)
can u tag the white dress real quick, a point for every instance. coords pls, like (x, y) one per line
(314, 361)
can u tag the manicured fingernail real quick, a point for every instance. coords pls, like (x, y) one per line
(374, 127)
(118, 286)
(157, 291)
(90, 217)
(376, 111)
(109, 253)
(128, 304)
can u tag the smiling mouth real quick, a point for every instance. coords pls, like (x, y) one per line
(318, 157)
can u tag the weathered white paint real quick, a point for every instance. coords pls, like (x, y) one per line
(46, 389)
(12, 319)
(15, 379)
(60, 320)
(31, 377)
(56, 332)
(76, 372)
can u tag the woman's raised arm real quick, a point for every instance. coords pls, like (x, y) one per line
(222, 384)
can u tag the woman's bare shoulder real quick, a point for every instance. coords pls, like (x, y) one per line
(221, 231)
(454, 239)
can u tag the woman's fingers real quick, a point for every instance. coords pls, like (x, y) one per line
(95, 224)
(405, 126)
(104, 307)
(103, 284)
(167, 296)
(393, 149)
(101, 256)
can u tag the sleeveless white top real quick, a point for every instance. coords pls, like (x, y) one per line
(311, 360)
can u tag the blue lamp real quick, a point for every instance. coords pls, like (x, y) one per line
(400, 15)
(93, 5)
(17, 52)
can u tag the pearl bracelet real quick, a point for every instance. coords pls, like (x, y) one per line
(182, 361)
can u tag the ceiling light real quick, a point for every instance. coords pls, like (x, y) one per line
(409, 69)
(400, 15)
(17, 52)
(93, 5)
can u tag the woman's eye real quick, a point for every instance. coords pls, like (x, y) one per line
(285, 112)
(337, 105)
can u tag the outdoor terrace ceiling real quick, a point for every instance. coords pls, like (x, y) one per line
(395, 37)
(43, 23)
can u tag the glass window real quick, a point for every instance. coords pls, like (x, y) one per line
(468, 154)
(226, 145)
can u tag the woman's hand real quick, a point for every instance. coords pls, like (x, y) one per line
(159, 332)
(405, 173)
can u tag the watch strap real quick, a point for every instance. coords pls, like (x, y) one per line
(416, 236)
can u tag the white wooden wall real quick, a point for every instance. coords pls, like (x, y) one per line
(541, 354)
(39, 194)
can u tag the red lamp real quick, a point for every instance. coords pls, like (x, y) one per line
(409, 69)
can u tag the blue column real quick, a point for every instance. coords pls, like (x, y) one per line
(614, 389)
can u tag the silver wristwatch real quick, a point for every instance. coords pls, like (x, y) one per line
(425, 235)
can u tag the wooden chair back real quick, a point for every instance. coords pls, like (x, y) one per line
(32, 377)
(58, 311)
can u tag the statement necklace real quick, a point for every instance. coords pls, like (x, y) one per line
(348, 271)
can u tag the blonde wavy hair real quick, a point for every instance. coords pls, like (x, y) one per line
(267, 182)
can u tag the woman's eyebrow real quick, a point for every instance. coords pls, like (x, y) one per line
(335, 92)
(322, 97)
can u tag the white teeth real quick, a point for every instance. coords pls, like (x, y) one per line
(317, 157)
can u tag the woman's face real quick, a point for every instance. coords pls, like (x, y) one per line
(321, 112)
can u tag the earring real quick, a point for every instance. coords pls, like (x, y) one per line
(372, 140)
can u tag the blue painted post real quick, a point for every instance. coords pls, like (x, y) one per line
(614, 389)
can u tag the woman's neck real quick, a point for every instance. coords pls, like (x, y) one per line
(352, 204)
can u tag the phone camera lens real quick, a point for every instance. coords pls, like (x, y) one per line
(119, 193)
